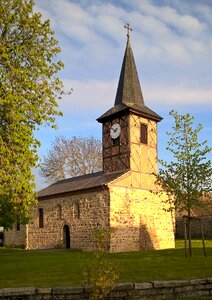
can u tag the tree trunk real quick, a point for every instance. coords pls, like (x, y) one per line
(185, 236)
(189, 233)
(203, 240)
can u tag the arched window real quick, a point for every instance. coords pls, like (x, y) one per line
(41, 223)
(59, 211)
(76, 210)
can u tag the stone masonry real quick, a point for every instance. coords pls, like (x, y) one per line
(60, 211)
(154, 290)
(136, 219)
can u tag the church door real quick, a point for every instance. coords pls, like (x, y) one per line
(66, 237)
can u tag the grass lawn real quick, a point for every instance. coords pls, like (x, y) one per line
(21, 268)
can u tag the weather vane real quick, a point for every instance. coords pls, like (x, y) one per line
(127, 26)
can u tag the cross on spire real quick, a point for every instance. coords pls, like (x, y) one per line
(127, 26)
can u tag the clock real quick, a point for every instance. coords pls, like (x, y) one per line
(115, 130)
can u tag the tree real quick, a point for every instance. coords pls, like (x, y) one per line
(188, 176)
(29, 91)
(72, 157)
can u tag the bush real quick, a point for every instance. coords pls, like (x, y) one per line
(100, 274)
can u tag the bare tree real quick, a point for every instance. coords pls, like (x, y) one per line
(72, 157)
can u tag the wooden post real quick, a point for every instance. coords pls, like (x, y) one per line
(189, 235)
(185, 235)
(203, 240)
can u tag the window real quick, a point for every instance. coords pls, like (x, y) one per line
(40, 210)
(18, 226)
(76, 211)
(59, 212)
(116, 141)
(143, 134)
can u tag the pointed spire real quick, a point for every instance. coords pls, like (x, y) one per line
(129, 95)
(129, 89)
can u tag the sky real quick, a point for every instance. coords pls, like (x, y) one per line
(172, 45)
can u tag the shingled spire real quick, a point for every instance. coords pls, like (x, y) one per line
(129, 95)
(129, 89)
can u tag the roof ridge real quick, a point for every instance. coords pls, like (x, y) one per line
(78, 177)
(87, 181)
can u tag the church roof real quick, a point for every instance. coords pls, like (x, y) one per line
(123, 108)
(78, 183)
(129, 94)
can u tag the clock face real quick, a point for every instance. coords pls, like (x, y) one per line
(115, 131)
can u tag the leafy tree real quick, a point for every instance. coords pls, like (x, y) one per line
(188, 176)
(29, 91)
(72, 157)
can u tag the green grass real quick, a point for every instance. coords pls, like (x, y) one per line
(20, 268)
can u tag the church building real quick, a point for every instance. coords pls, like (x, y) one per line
(122, 198)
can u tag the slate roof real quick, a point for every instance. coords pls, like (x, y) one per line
(142, 110)
(78, 183)
(129, 94)
(129, 89)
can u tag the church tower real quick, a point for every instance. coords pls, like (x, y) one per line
(130, 128)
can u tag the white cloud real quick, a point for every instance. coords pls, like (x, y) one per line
(179, 95)
(171, 40)
(89, 96)
(98, 96)
(165, 40)
(171, 17)
(205, 12)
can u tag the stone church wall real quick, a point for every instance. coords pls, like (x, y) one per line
(138, 221)
(15, 237)
(81, 213)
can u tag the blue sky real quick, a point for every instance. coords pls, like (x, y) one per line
(172, 45)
